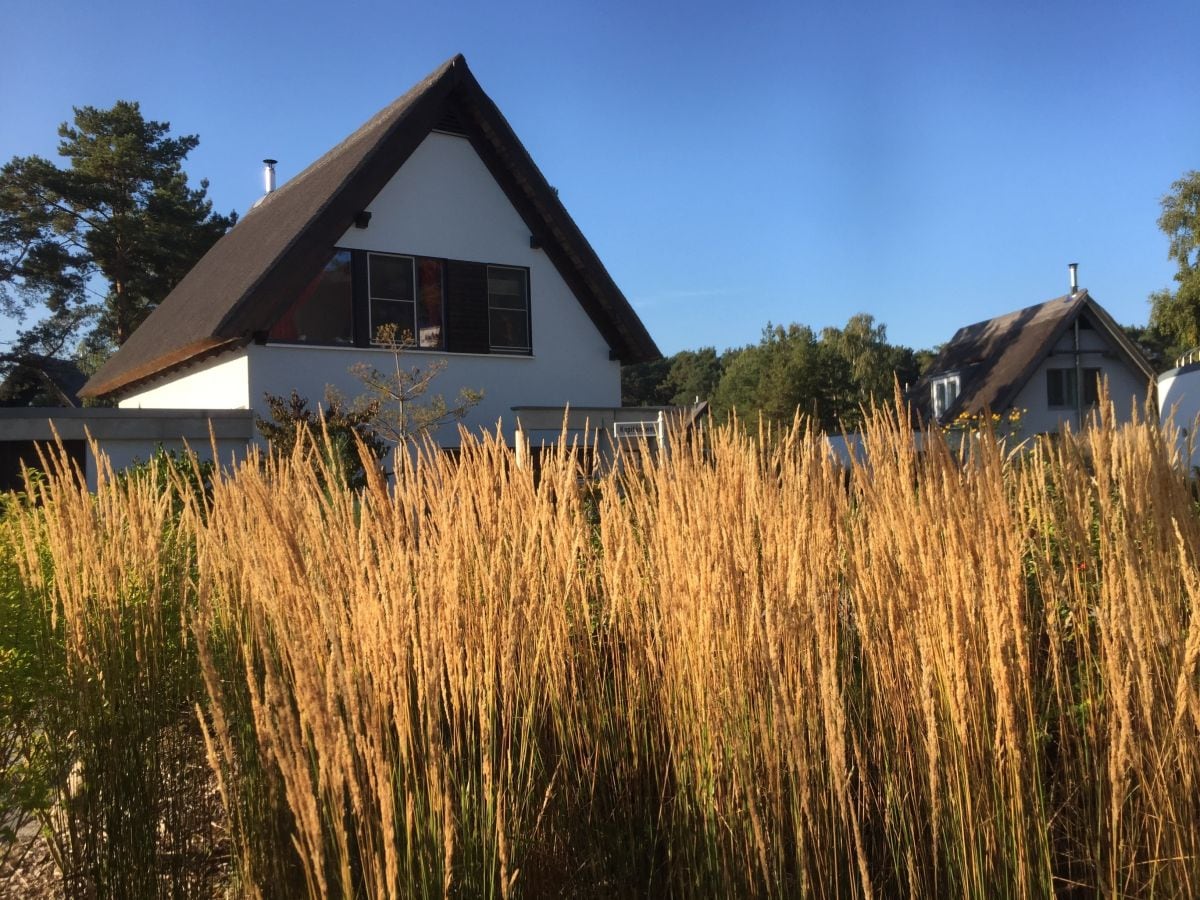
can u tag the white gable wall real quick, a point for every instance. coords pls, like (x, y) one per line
(1179, 407)
(444, 203)
(1179, 396)
(1124, 384)
(218, 383)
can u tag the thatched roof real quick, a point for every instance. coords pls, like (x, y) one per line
(40, 380)
(253, 273)
(994, 359)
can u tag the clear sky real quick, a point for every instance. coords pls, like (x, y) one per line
(932, 164)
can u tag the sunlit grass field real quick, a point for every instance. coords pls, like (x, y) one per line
(735, 669)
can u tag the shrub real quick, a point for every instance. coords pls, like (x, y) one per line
(335, 432)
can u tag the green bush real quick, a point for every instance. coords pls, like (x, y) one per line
(335, 431)
(27, 680)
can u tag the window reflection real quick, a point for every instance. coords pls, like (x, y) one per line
(508, 308)
(323, 313)
(489, 311)
(429, 304)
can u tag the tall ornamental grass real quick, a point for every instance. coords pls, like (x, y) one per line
(733, 669)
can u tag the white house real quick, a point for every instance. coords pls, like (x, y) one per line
(1046, 361)
(431, 217)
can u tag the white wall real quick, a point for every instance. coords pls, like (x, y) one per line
(443, 202)
(1179, 395)
(218, 383)
(1125, 386)
(128, 436)
(1179, 402)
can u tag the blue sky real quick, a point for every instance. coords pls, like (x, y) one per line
(932, 164)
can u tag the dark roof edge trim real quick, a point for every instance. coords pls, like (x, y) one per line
(559, 227)
(299, 262)
(190, 355)
(1124, 343)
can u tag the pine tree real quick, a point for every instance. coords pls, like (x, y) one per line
(95, 244)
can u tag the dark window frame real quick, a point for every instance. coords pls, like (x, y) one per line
(363, 326)
(371, 298)
(1067, 389)
(1060, 388)
(416, 288)
(502, 349)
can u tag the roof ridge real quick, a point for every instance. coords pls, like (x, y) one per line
(1078, 296)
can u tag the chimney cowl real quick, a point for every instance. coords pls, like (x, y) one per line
(269, 175)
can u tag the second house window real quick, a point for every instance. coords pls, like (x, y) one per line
(945, 392)
(1061, 388)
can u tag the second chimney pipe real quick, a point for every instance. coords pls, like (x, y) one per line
(269, 174)
(1074, 267)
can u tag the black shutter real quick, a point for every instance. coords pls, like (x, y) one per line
(466, 307)
(362, 303)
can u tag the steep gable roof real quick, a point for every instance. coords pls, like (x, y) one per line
(994, 359)
(36, 375)
(252, 274)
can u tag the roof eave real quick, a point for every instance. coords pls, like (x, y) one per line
(191, 354)
(1133, 354)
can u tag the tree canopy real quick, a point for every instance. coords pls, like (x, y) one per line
(1176, 314)
(830, 376)
(675, 381)
(89, 248)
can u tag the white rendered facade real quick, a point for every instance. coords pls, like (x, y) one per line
(218, 383)
(1179, 407)
(1125, 387)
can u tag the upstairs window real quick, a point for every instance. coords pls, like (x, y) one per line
(944, 393)
(434, 304)
(324, 311)
(406, 291)
(508, 309)
(1061, 392)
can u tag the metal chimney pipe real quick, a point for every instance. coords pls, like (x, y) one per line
(1074, 267)
(269, 175)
